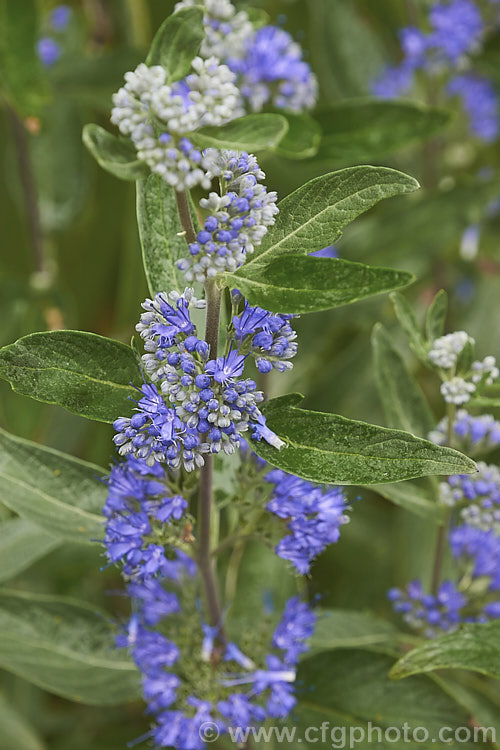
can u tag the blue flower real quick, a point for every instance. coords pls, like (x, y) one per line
(457, 28)
(327, 252)
(237, 219)
(272, 71)
(431, 614)
(480, 547)
(227, 368)
(157, 434)
(271, 337)
(480, 101)
(476, 495)
(262, 692)
(60, 17)
(394, 81)
(314, 516)
(48, 50)
(472, 434)
(260, 431)
(139, 502)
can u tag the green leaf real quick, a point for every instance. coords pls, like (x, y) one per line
(350, 688)
(366, 129)
(474, 647)
(483, 710)
(177, 42)
(302, 139)
(116, 155)
(161, 235)
(331, 449)
(405, 406)
(436, 316)
(65, 647)
(313, 216)
(484, 402)
(16, 730)
(408, 322)
(249, 133)
(304, 284)
(59, 165)
(21, 544)
(21, 73)
(344, 628)
(412, 497)
(61, 494)
(87, 374)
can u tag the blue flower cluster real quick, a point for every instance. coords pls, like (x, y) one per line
(194, 404)
(241, 693)
(456, 31)
(237, 219)
(272, 72)
(138, 506)
(48, 48)
(481, 548)
(145, 523)
(480, 102)
(475, 549)
(476, 495)
(314, 515)
(268, 63)
(430, 614)
(472, 434)
(268, 337)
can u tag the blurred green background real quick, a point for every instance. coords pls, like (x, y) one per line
(70, 258)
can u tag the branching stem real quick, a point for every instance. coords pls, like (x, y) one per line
(204, 558)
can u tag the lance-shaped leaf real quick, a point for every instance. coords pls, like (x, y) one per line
(87, 374)
(61, 494)
(344, 628)
(65, 647)
(21, 544)
(249, 133)
(331, 449)
(116, 155)
(408, 322)
(313, 216)
(16, 730)
(23, 80)
(304, 284)
(474, 647)
(160, 231)
(405, 406)
(177, 41)
(414, 498)
(361, 130)
(436, 316)
(302, 139)
(350, 690)
(484, 402)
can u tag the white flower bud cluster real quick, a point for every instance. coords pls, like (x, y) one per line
(226, 30)
(457, 391)
(485, 371)
(207, 96)
(445, 350)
